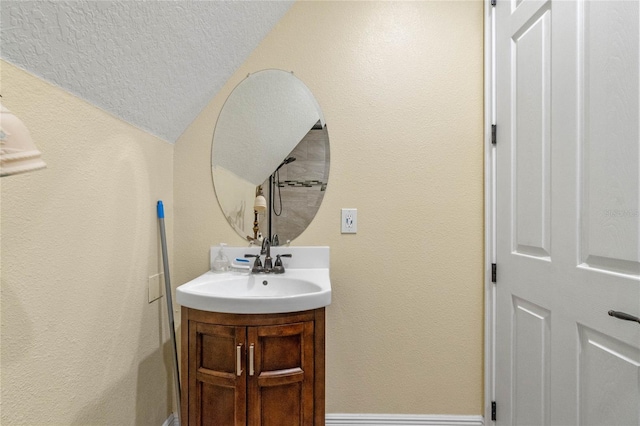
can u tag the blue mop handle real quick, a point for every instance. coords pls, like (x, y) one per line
(167, 284)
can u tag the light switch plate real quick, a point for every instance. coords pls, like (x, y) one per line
(349, 221)
(156, 287)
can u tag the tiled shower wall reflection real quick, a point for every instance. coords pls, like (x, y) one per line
(302, 186)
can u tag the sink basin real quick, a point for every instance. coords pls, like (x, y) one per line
(300, 288)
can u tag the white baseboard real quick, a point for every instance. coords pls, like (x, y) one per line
(384, 420)
(402, 420)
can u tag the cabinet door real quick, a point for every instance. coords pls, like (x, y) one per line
(280, 386)
(217, 377)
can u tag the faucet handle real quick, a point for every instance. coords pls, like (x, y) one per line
(257, 265)
(278, 268)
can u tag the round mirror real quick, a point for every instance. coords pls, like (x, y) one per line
(270, 141)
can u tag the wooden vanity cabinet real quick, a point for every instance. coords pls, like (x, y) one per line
(255, 370)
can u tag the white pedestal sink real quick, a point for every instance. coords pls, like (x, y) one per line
(304, 285)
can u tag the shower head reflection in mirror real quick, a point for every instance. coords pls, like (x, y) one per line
(276, 188)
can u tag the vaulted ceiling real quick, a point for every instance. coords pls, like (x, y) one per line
(154, 64)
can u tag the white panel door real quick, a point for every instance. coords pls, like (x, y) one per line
(568, 203)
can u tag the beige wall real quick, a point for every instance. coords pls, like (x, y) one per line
(400, 85)
(80, 344)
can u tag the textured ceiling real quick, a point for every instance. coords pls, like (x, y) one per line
(154, 64)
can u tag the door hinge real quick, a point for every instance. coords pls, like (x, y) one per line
(494, 131)
(493, 2)
(494, 273)
(493, 411)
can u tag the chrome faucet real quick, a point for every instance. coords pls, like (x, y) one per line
(266, 250)
(268, 267)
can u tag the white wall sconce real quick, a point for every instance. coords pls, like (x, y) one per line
(18, 153)
(260, 203)
(259, 206)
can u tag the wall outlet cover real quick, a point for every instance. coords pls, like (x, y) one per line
(349, 221)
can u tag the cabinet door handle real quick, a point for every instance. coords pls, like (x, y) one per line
(251, 350)
(239, 359)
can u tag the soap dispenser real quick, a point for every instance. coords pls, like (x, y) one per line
(221, 262)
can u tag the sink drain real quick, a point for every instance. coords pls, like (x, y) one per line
(265, 282)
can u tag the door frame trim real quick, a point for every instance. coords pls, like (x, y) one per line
(489, 209)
